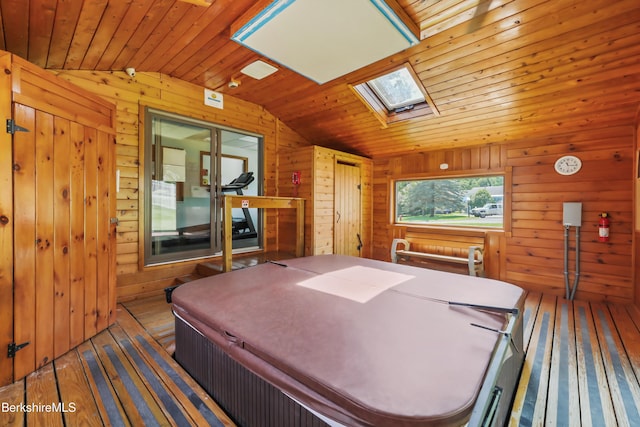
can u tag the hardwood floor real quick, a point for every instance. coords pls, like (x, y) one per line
(121, 377)
(582, 368)
(155, 316)
(582, 364)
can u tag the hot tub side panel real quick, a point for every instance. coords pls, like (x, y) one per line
(244, 396)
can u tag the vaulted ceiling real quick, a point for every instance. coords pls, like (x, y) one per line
(497, 70)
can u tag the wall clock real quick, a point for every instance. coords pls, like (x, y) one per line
(568, 165)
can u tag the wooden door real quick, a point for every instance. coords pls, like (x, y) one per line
(63, 239)
(347, 217)
(6, 227)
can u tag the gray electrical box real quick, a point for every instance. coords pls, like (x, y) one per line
(572, 214)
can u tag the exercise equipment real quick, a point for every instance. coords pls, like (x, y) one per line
(241, 228)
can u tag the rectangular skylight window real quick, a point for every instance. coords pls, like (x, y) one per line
(396, 96)
(397, 89)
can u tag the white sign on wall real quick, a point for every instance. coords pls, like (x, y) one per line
(213, 99)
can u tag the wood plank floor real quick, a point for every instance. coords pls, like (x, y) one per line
(581, 369)
(582, 364)
(121, 377)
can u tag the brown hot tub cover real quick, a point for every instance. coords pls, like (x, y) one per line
(363, 342)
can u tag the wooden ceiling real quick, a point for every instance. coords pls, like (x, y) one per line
(497, 70)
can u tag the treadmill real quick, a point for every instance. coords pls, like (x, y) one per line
(241, 227)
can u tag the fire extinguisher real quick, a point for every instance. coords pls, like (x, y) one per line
(603, 227)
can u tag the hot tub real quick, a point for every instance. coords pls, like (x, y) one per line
(350, 341)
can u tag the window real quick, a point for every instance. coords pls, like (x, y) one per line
(183, 180)
(395, 96)
(397, 90)
(468, 201)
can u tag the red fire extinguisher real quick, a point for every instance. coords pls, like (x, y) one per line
(603, 227)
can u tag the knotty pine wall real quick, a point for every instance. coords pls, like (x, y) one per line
(317, 187)
(530, 251)
(173, 95)
(531, 247)
(636, 181)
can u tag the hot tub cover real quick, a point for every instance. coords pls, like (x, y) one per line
(364, 342)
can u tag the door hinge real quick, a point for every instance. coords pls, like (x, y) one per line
(115, 221)
(12, 127)
(13, 348)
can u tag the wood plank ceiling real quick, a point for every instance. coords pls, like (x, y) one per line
(497, 70)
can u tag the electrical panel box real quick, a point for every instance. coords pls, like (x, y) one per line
(572, 214)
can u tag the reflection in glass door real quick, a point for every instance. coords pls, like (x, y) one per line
(181, 213)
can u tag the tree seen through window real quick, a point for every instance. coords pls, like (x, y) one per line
(454, 201)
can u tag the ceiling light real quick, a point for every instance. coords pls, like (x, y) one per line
(258, 70)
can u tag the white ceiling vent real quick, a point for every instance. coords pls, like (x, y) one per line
(258, 70)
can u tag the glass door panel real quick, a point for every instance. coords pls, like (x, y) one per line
(189, 164)
(180, 200)
(239, 174)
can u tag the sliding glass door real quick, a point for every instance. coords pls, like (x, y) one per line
(189, 164)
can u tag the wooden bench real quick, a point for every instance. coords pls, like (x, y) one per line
(441, 248)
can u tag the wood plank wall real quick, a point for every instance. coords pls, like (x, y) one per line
(301, 160)
(173, 95)
(317, 187)
(531, 248)
(636, 182)
(530, 256)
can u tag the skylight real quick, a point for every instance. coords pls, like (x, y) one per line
(395, 96)
(397, 89)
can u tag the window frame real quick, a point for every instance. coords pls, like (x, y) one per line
(386, 117)
(379, 88)
(506, 198)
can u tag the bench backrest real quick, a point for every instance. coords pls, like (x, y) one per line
(444, 242)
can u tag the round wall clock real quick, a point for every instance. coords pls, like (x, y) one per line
(568, 165)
